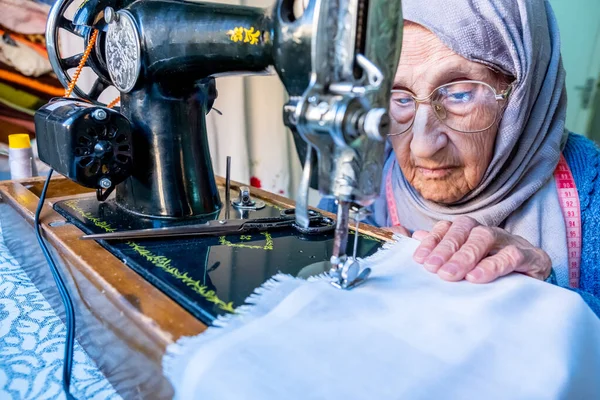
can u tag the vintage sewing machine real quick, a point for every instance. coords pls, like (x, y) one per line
(336, 60)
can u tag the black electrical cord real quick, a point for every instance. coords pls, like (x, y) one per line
(64, 294)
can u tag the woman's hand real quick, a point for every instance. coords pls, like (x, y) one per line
(468, 250)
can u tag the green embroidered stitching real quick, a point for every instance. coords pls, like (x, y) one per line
(164, 263)
(96, 221)
(268, 245)
(161, 262)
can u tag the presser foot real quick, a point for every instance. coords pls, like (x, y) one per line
(347, 274)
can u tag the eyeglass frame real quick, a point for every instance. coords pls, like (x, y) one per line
(502, 96)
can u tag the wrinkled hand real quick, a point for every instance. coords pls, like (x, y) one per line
(468, 250)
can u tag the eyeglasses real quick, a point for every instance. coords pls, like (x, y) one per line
(464, 106)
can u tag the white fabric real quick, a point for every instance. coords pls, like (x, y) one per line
(405, 334)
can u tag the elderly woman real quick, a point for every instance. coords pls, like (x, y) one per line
(478, 130)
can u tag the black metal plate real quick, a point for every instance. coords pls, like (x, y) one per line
(207, 276)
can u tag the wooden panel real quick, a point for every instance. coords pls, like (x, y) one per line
(58, 188)
(123, 322)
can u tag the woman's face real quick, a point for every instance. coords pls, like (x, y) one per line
(443, 165)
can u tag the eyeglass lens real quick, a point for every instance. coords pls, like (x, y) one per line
(462, 106)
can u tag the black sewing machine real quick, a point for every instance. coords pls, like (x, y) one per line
(336, 60)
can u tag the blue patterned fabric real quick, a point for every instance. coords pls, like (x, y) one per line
(32, 340)
(583, 157)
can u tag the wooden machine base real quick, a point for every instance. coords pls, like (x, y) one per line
(123, 322)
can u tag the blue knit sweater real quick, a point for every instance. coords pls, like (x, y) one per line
(583, 157)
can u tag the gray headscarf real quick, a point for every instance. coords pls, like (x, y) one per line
(517, 192)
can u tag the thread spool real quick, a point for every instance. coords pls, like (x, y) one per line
(20, 156)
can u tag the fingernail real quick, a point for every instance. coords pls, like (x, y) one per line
(475, 275)
(449, 269)
(433, 263)
(422, 253)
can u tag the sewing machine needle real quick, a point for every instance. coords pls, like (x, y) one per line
(340, 239)
(302, 200)
(356, 235)
(227, 187)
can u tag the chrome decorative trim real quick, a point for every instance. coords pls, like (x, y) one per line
(123, 56)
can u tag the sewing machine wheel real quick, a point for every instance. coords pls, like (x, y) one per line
(57, 21)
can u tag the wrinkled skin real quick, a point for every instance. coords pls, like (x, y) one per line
(444, 165)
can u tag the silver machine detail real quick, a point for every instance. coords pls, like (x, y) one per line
(342, 114)
(336, 59)
(122, 49)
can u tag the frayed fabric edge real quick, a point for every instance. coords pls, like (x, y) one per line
(178, 354)
(268, 294)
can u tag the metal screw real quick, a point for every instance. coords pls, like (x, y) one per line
(105, 183)
(57, 223)
(99, 149)
(99, 114)
(245, 199)
(336, 261)
(323, 107)
(110, 15)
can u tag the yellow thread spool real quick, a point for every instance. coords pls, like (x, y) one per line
(20, 156)
(19, 141)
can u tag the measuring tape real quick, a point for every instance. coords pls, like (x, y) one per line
(569, 204)
(389, 195)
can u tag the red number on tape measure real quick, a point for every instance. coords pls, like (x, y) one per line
(569, 201)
